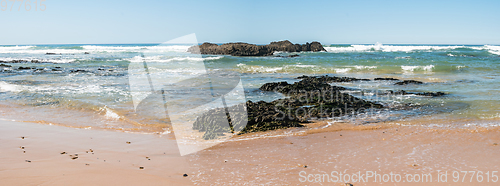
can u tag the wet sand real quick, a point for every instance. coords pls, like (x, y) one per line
(397, 147)
(104, 157)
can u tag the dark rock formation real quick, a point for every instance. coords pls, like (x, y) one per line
(4, 65)
(245, 49)
(77, 71)
(24, 68)
(330, 79)
(289, 56)
(386, 79)
(310, 98)
(428, 94)
(406, 82)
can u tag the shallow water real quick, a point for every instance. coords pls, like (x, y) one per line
(56, 92)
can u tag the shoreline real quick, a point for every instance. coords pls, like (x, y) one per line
(385, 147)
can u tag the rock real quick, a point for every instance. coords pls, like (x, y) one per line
(273, 86)
(128, 142)
(77, 71)
(185, 175)
(22, 137)
(406, 82)
(48, 53)
(74, 158)
(429, 94)
(348, 184)
(4, 65)
(309, 98)
(289, 56)
(63, 152)
(330, 79)
(86, 53)
(141, 168)
(28, 161)
(386, 79)
(24, 68)
(245, 49)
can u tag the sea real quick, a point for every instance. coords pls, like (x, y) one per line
(88, 86)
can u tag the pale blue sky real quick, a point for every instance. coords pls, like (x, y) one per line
(352, 22)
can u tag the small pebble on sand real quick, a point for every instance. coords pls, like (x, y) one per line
(141, 168)
(185, 175)
(128, 142)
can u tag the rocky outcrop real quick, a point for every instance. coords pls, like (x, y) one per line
(245, 49)
(427, 94)
(386, 79)
(311, 98)
(406, 82)
(330, 79)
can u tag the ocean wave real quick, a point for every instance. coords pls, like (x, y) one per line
(7, 87)
(361, 67)
(493, 49)
(342, 70)
(408, 48)
(164, 59)
(90, 48)
(414, 68)
(40, 60)
(147, 49)
(109, 114)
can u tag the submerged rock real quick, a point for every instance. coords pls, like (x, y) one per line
(24, 68)
(386, 79)
(4, 65)
(245, 49)
(429, 94)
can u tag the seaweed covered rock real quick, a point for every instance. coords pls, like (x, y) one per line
(386, 79)
(330, 79)
(428, 94)
(406, 82)
(310, 98)
(245, 49)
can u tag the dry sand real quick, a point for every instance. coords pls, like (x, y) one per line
(383, 148)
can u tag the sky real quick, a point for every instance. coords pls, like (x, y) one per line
(260, 22)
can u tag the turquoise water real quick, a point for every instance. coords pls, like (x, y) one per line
(469, 74)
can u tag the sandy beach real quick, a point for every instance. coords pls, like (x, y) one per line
(106, 157)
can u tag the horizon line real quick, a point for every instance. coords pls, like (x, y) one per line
(152, 43)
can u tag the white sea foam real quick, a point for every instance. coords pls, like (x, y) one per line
(93, 49)
(165, 59)
(7, 87)
(305, 66)
(258, 69)
(342, 70)
(144, 49)
(401, 48)
(361, 67)
(493, 49)
(413, 68)
(110, 114)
